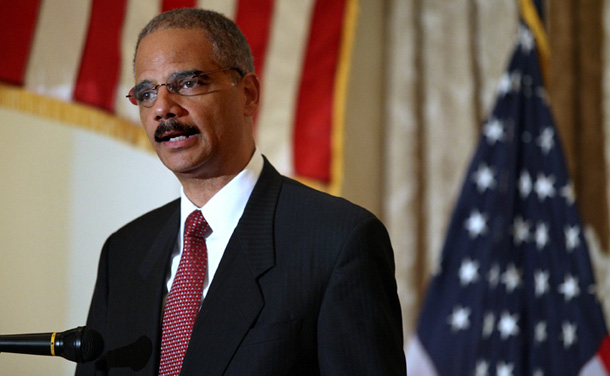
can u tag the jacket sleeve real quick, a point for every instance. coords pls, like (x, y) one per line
(360, 323)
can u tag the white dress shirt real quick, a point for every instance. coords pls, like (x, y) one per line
(222, 212)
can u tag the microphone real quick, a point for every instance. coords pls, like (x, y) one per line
(79, 345)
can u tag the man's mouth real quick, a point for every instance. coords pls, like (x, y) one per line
(173, 131)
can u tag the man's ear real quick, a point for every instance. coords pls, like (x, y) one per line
(251, 90)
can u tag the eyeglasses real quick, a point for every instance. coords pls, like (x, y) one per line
(183, 83)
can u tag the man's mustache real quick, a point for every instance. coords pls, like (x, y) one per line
(173, 126)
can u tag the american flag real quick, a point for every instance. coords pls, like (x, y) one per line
(515, 292)
(80, 51)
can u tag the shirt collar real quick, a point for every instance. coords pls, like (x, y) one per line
(224, 209)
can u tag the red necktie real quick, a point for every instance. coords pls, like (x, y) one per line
(184, 299)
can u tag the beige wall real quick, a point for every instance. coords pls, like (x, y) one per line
(364, 111)
(33, 199)
(63, 191)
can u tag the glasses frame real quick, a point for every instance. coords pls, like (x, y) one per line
(169, 86)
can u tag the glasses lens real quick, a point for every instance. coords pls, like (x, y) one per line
(184, 83)
(192, 85)
(132, 97)
(146, 96)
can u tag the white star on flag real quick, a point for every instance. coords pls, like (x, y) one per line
(525, 184)
(488, 324)
(541, 235)
(505, 369)
(569, 288)
(459, 319)
(494, 131)
(484, 178)
(568, 334)
(543, 94)
(545, 140)
(516, 79)
(507, 325)
(476, 224)
(511, 278)
(505, 85)
(521, 230)
(544, 186)
(493, 277)
(468, 272)
(541, 282)
(572, 237)
(540, 334)
(482, 368)
(526, 39)
(567, 192)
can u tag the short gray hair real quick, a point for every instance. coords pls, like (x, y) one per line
(229, 45)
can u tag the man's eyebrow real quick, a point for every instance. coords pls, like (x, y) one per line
(188, 73)
(142, 84)
(177, 75)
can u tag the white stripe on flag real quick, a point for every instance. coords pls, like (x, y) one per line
(594, 367)
(226, 7)
(281, 78)
(418, 361)
(137, 15)
(58, 44)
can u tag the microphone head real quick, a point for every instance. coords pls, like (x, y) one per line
(80, 345)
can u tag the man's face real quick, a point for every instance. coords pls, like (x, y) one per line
(200, 136)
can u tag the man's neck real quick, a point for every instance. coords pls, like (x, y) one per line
(200, 191)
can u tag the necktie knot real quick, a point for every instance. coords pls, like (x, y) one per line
(195, 225)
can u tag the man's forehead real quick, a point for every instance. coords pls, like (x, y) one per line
(172, 50)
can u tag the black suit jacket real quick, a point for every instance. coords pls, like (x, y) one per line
(305, 287)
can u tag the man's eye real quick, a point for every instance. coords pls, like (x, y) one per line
(145, 95)
(188, 85)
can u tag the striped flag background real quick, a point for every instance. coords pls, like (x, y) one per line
(76, 164)
(81, 52)
(423, 76)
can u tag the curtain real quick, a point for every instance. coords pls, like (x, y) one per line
(443, 63)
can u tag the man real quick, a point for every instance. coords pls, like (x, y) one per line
(296, 282)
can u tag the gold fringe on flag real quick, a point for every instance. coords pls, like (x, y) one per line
(79, 115)
(340, 98)
(532, 19)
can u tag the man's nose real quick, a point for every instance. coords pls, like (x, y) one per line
(166, 106)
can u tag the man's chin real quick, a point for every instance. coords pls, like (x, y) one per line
(183, 168)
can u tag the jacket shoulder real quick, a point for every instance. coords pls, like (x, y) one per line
(151, 221)
(323, 205)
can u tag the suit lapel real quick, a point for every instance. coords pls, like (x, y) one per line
(157, 255)
(234, 301)
(153, 274)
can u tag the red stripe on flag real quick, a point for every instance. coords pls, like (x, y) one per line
(175, 4)
(604, 353)
(313, 123)
(254, 20)
(101, 61)
(19, 23)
